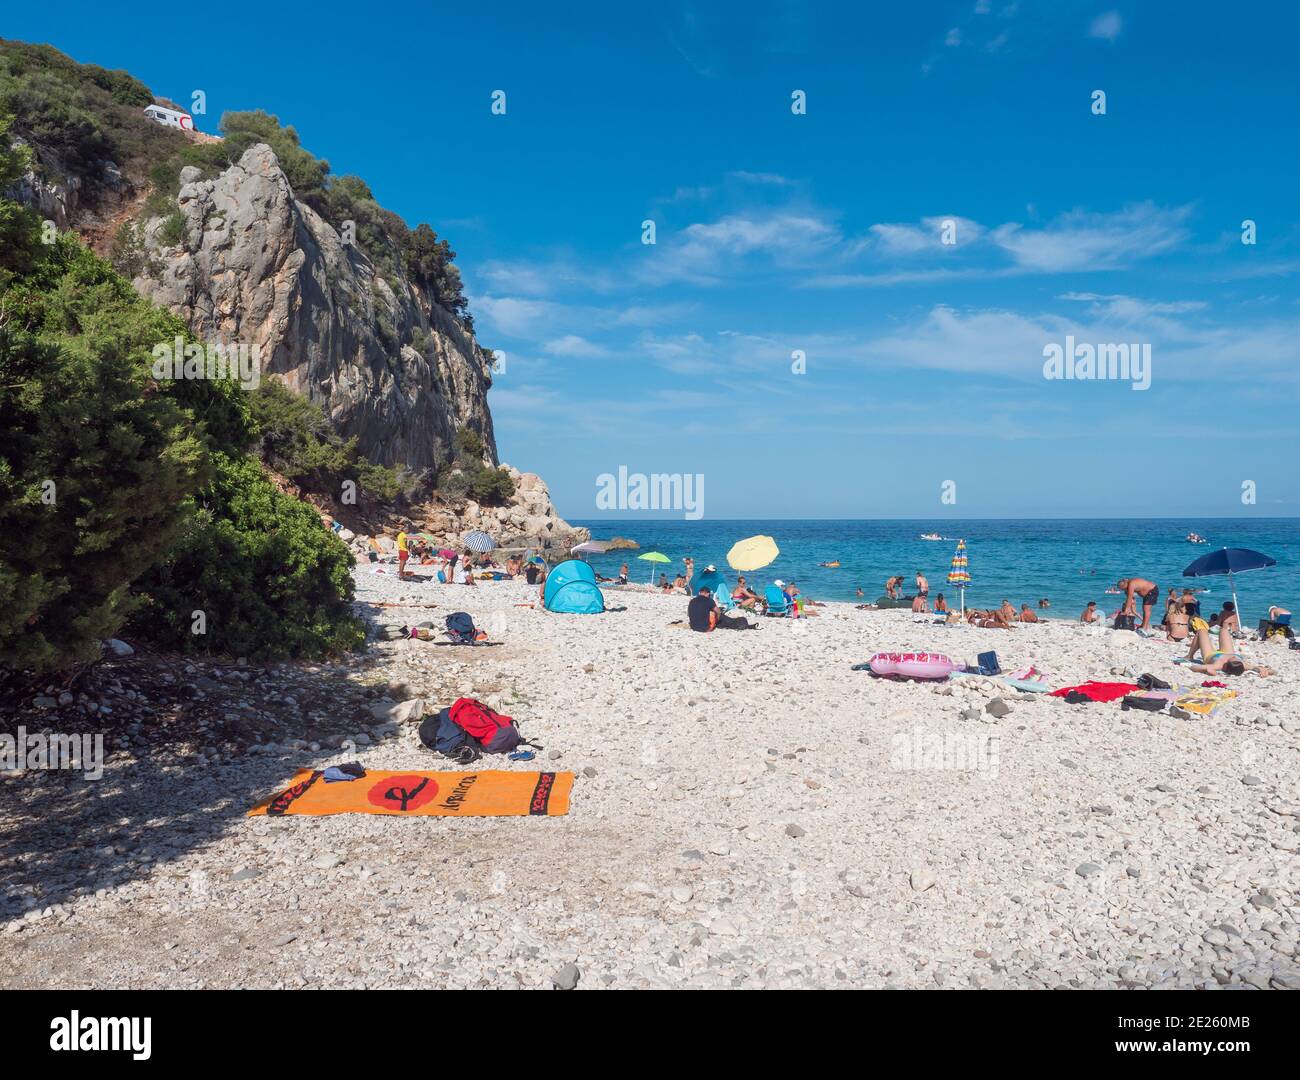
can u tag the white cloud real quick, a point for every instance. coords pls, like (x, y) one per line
(1087, 241)
(574, 345)
(954, 38)
(515, 316)
(703, 251)
(897, 239)
(1106, 26)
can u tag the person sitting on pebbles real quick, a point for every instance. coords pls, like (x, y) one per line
(1026, 614)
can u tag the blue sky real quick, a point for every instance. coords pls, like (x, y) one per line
(821, 232)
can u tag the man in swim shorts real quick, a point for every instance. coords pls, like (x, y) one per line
(1135, 587)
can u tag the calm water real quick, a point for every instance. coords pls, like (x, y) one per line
(1068, 561)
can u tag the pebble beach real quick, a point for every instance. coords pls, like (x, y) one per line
(747, 811)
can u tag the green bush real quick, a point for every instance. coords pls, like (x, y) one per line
(95, 465)
(172, 231)
(491, 486)
(80, 112)
(469, 446)
(270, 582)
(298, 442)
(128, 254)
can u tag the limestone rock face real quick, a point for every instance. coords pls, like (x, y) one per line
(256, 266)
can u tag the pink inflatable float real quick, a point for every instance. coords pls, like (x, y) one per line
(913, 665)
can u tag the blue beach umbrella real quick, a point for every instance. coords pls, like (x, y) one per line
(1229, 561)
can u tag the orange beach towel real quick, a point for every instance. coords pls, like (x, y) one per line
(490, 793)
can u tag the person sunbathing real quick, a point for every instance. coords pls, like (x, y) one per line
(1026, 615)
(1090, 614)
(919, 604)
(996, 619)
(940, 605)
(1008, 609)
(1177, 622)
(1221, 661)
(744, 596)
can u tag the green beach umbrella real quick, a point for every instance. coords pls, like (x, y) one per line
(654, 557)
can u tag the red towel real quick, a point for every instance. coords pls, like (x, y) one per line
(1098, 691)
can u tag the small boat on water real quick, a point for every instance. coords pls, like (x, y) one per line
(931, 536)
(1196, 538)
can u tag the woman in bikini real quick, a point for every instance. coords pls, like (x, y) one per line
(1224, 660)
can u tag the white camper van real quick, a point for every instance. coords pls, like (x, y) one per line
(170, 117)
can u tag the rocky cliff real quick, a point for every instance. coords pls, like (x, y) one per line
(255, 266)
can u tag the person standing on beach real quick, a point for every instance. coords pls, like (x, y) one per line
(403, 552)
(922, 586)
(1132, 588)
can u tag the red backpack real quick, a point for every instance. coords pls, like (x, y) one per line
(497, 734)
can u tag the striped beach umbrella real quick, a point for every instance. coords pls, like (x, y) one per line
(479, 541)
(958, 574)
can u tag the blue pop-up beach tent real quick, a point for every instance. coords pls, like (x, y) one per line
(715, 583)
(571, 588)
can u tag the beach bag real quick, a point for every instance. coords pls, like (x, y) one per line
(1123, 622)
(1150, 682)
(441, 735)
(460, 624)
(1140, 701)
(495, 733)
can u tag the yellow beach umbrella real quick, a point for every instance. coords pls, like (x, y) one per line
(752, 554)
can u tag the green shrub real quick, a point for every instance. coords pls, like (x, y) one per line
(95, 465)
(469, 446)
(172, 231)
(128, 254)
(270, 582)
(298, 442)
(491, 486)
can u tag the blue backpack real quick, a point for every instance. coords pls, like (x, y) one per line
(441, 734)
(461, 624)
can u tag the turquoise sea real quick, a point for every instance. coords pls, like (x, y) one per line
(1068, 561)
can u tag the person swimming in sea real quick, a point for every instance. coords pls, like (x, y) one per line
(833, 565)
